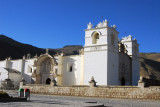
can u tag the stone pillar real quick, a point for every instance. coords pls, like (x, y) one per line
(89, 26)
(22, 67)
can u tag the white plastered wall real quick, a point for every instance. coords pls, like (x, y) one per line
(15, 64)
(3, 74)
(74, 77)
(28, 63)
(16, 78)
(3, 63)
(113, 58)
(113, 71)
(95, 64)
(95, 57)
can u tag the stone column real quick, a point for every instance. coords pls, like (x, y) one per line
(22, 67)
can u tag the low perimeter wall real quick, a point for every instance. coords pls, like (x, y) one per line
(126, 92)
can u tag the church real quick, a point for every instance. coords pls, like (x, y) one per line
(105, 57)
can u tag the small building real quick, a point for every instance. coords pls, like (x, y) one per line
(9, 78)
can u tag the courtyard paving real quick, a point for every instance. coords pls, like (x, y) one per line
(69, 101)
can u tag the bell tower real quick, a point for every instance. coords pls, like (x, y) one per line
(133, 51)
(101, 54)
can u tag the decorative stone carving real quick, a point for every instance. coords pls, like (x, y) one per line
(89, 26)
(99, 25)
(105, 23)
(114, 26)
(92, 83)
(127, 38)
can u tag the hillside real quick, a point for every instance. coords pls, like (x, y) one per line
(10, 47)
(150, 62)
(150, 65)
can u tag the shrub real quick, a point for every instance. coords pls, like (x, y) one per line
(4, 95)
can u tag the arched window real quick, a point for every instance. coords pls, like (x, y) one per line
(112, 40)
(95, 38)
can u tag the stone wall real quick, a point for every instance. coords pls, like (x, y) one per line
(126, 92)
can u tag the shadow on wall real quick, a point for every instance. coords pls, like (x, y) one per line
(27, 78)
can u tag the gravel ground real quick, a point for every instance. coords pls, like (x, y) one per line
(68, 101)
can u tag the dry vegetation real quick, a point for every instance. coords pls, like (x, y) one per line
(4, 94)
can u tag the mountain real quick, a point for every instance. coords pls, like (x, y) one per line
(149, 69)
(16, 50)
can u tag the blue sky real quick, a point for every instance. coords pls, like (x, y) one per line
(56, 23)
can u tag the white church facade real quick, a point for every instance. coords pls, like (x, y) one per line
(110, 60)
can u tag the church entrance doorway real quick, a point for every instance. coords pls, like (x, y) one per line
(44, 67)
(123, 81)
(48, 80)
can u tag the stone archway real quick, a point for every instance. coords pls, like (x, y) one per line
(44, 68)
(95, 37)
